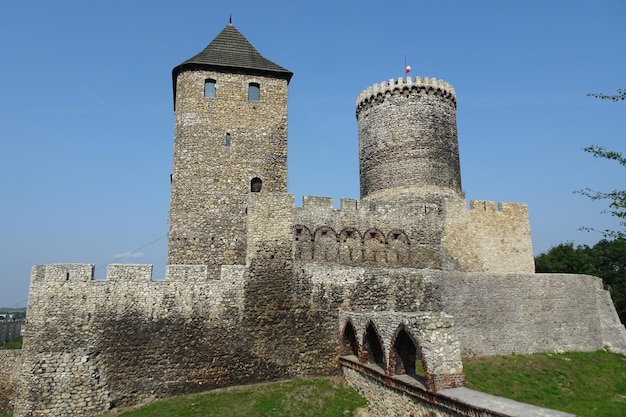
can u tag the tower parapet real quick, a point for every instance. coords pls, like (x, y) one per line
(408, 139)
(441, 87)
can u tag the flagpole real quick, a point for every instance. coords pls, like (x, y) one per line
(407, 68)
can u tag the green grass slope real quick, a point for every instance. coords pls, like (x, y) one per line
(322, 397)
(590, 384)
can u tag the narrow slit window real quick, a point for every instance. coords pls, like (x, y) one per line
(227, 143)
(209, 88)
(254, 91)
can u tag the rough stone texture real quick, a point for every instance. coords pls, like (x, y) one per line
(132, 339)
(211, 178)
(493, 313)
(431, 334)
(403, 396)
(431, 230)
(10, 362)
(485, 239)
(408, 138)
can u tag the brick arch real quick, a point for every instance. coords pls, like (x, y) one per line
(349, 343)
(323, 232)
(325, 244)
(399, 236)
(301, 232)
(302, 237)
(373, 350)
(399, 247)
(374, 246)
(405, 354)
(350, 241)
(374, 234)
(350, 233)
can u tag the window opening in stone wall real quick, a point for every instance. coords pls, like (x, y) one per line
(209, 88)
(255, 185)
(254, 91)
(227, 143)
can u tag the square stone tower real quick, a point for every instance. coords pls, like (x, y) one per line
(230, 139)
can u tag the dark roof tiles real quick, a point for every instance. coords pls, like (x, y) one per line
(231, 50)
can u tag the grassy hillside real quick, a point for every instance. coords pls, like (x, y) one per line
(322, 397)
(588, 384)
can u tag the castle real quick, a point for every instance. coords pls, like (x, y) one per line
(258, 288)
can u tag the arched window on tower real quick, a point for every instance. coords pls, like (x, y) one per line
(228, 139)
(254, 91)
(255, 185)
(209, 88)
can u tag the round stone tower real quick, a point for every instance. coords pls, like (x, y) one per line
(230, 139)
(408, 139)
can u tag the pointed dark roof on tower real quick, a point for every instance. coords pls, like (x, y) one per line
(231, 51)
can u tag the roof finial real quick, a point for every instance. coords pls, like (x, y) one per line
(230, 18)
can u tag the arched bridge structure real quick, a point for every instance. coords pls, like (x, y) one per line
(421, 344)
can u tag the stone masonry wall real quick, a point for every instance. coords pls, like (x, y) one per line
(131, 339)
(408, 137)
(488, 240)
(432, 335)
(392, 397)
(385, 402)
(10, 363)
(212, 174)
(365, 233)
(433, 231)
(494, 314)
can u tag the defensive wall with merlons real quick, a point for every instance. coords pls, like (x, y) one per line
(255, 286)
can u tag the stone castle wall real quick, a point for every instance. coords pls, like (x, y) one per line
(131, 339)
(255, 287)
(433, 231)
(488, 240)
(495, 314)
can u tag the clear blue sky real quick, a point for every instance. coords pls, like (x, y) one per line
(86, 118)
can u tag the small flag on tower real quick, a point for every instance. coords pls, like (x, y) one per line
(407, 69)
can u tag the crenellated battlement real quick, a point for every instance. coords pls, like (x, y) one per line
(74, 272)
(353, 205)
(401, 84)
(500, 207)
